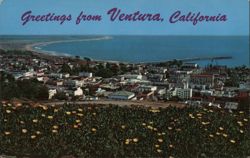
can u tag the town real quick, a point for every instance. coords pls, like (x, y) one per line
(34, 76)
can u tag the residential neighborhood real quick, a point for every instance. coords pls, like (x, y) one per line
(72, 78)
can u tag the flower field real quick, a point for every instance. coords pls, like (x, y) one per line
(113, 131)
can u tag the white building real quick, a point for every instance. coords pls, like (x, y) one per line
(56, 75)
(73, 83)
(28, 74)
(132, 76)
(52, 92)
(78, 92)
(183, 93)
(121, 95)
(147, 88)
(85, 74)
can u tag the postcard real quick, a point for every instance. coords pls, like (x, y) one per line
(113, 78)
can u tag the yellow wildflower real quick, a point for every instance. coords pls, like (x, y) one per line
(221, 128)
(218, 133)
(50, 117)
(157, 145)
(35, 121)
(93, 130)
(79, 114)
(45, 108)
(8, 111)
(38, 132)
(7, 133)
(150, 127)
(160, 140)
(78, 121)
(159, 150)
(224, 135)
(33, 136)
(55, 127)
(211, 135)
(80, 110)
(232, 141)
(54, 131)
(24, 130)
(135, 140)
(127, 141)
(68, 113)
(199, 114)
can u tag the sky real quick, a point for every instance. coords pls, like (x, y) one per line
(237, 12)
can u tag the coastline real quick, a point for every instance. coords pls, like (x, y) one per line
(31, 46)
(34, 47)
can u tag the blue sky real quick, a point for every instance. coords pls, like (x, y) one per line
(237, 12)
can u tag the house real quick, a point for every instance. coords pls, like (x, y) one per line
(189, 66)
(85, 74)
(52, 92)
(121, 95)
(56, 75)
(146, 88)
(231, 105)
(73, 83)
(132, 76)
(78, 92)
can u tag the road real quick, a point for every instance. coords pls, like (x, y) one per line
(120, 103)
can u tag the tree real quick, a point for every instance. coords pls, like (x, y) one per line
(66, 69)
(60, 96)
(42, 93)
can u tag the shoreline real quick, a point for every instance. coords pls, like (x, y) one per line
(32, 47)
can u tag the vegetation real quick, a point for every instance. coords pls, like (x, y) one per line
(12, 52)
(27, 88)
(112, 131)
(107, 71)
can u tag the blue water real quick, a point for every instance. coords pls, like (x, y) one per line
(158, 48)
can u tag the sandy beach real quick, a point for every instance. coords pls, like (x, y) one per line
(31, 46)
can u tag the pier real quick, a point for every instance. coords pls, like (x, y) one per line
(192, 59)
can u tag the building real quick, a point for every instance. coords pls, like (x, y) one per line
(199, 80)
(73, 83)
(146, 88)
(132, 76)
(183, 93)
(121, 95)
(52, 92)
(78, 92)
(85, 74)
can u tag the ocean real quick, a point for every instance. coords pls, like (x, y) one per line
(136, 49)
(157, 48)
